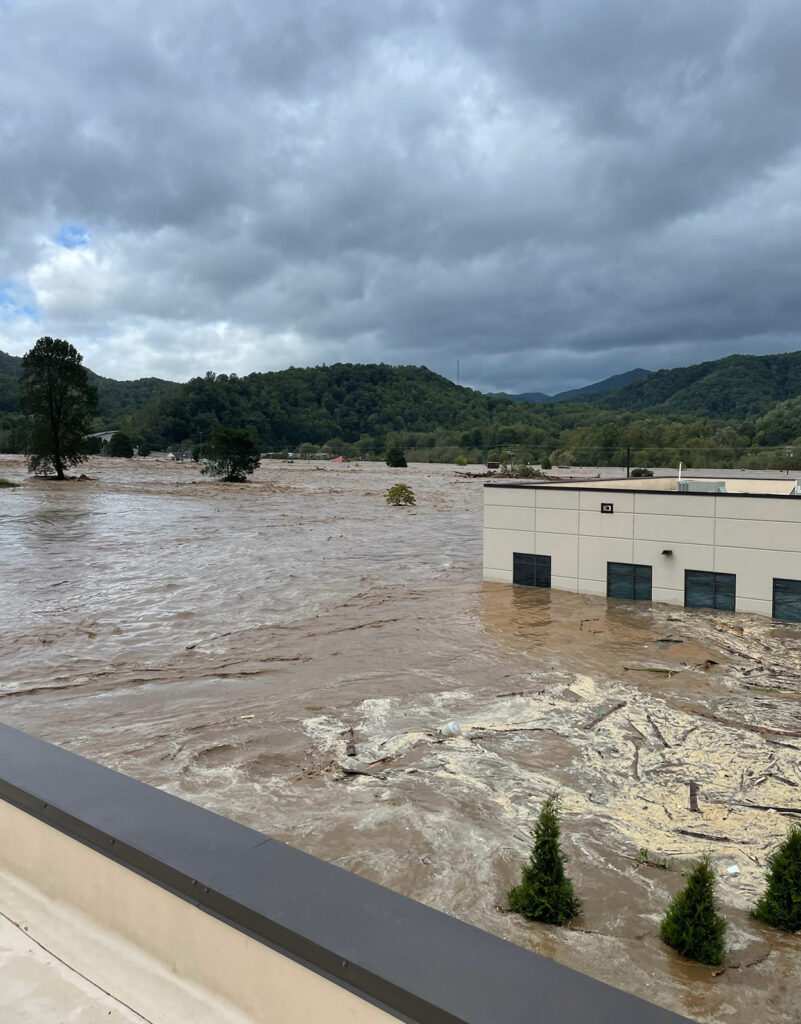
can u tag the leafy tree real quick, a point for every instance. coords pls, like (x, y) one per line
(780, 905)
(231, 454)
(692, 924)
(120, 446)
(58, 397)
(400, 494)
(545, 893)
(396, 458)
(92, 445)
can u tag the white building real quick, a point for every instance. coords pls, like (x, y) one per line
(730, 544)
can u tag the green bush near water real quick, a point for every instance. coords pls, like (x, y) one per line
(692, 924)
(780, 906)
(8, 483)
(545, 893)
(120, 446)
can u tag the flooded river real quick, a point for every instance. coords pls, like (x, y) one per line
(223, 641)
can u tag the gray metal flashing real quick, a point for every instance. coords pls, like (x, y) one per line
(416, 963)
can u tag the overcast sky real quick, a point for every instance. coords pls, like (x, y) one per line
(548, 190)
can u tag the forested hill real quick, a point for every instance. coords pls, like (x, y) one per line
(10, 369)
(346, 401)
(115, 398)
(718, 413)
(601, 387)
(732, 388)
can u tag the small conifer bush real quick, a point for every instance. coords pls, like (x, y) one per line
(692, 924)
(545, 893)
(780, 906)
(400, 494)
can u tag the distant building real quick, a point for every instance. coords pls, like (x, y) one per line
(725, 543)
(104, 435)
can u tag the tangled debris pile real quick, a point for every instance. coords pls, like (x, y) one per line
(630, 758)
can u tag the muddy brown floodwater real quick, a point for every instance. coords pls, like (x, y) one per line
(222, 641)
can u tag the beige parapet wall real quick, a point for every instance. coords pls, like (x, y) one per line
(190, 967)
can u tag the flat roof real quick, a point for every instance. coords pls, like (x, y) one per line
(736, 486)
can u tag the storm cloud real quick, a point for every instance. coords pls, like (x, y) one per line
(547, 190)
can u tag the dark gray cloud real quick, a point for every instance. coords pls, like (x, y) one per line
(548, 191)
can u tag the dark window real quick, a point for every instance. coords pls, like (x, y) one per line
(709, 590)
(787, 600)
(531, 570)
(631, 582)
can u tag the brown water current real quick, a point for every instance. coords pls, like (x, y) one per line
(223, 641)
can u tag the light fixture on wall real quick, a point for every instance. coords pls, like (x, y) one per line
(667, 551)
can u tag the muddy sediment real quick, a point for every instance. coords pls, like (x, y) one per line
(287, 652)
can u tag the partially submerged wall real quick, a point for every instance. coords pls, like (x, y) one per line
(275, 933)
(582, 528)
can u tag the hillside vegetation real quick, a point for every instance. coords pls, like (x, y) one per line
(115, 398)
(730, 388)
(599, 388)
(361, 409)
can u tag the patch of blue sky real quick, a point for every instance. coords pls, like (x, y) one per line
(17, 302)
(72, 236)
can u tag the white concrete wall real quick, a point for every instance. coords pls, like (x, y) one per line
(169, 960)
(756, 538)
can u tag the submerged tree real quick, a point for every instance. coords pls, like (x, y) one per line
(780, 905)
(692, 924)
(120, 446)
(92, 446)
(545, 893)
(231, 454)
(60, 401)
(396, 458)
(400, 494)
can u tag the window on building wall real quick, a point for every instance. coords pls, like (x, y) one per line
(630, 582)
(709, 590)
(531, 570)
(787, 600)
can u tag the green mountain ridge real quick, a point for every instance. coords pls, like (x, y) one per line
(715, 413)
(730, 388)
(589, 391)
(603, 387)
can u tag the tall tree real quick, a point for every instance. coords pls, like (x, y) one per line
(58, 397)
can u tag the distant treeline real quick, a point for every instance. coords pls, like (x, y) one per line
(360, 410)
